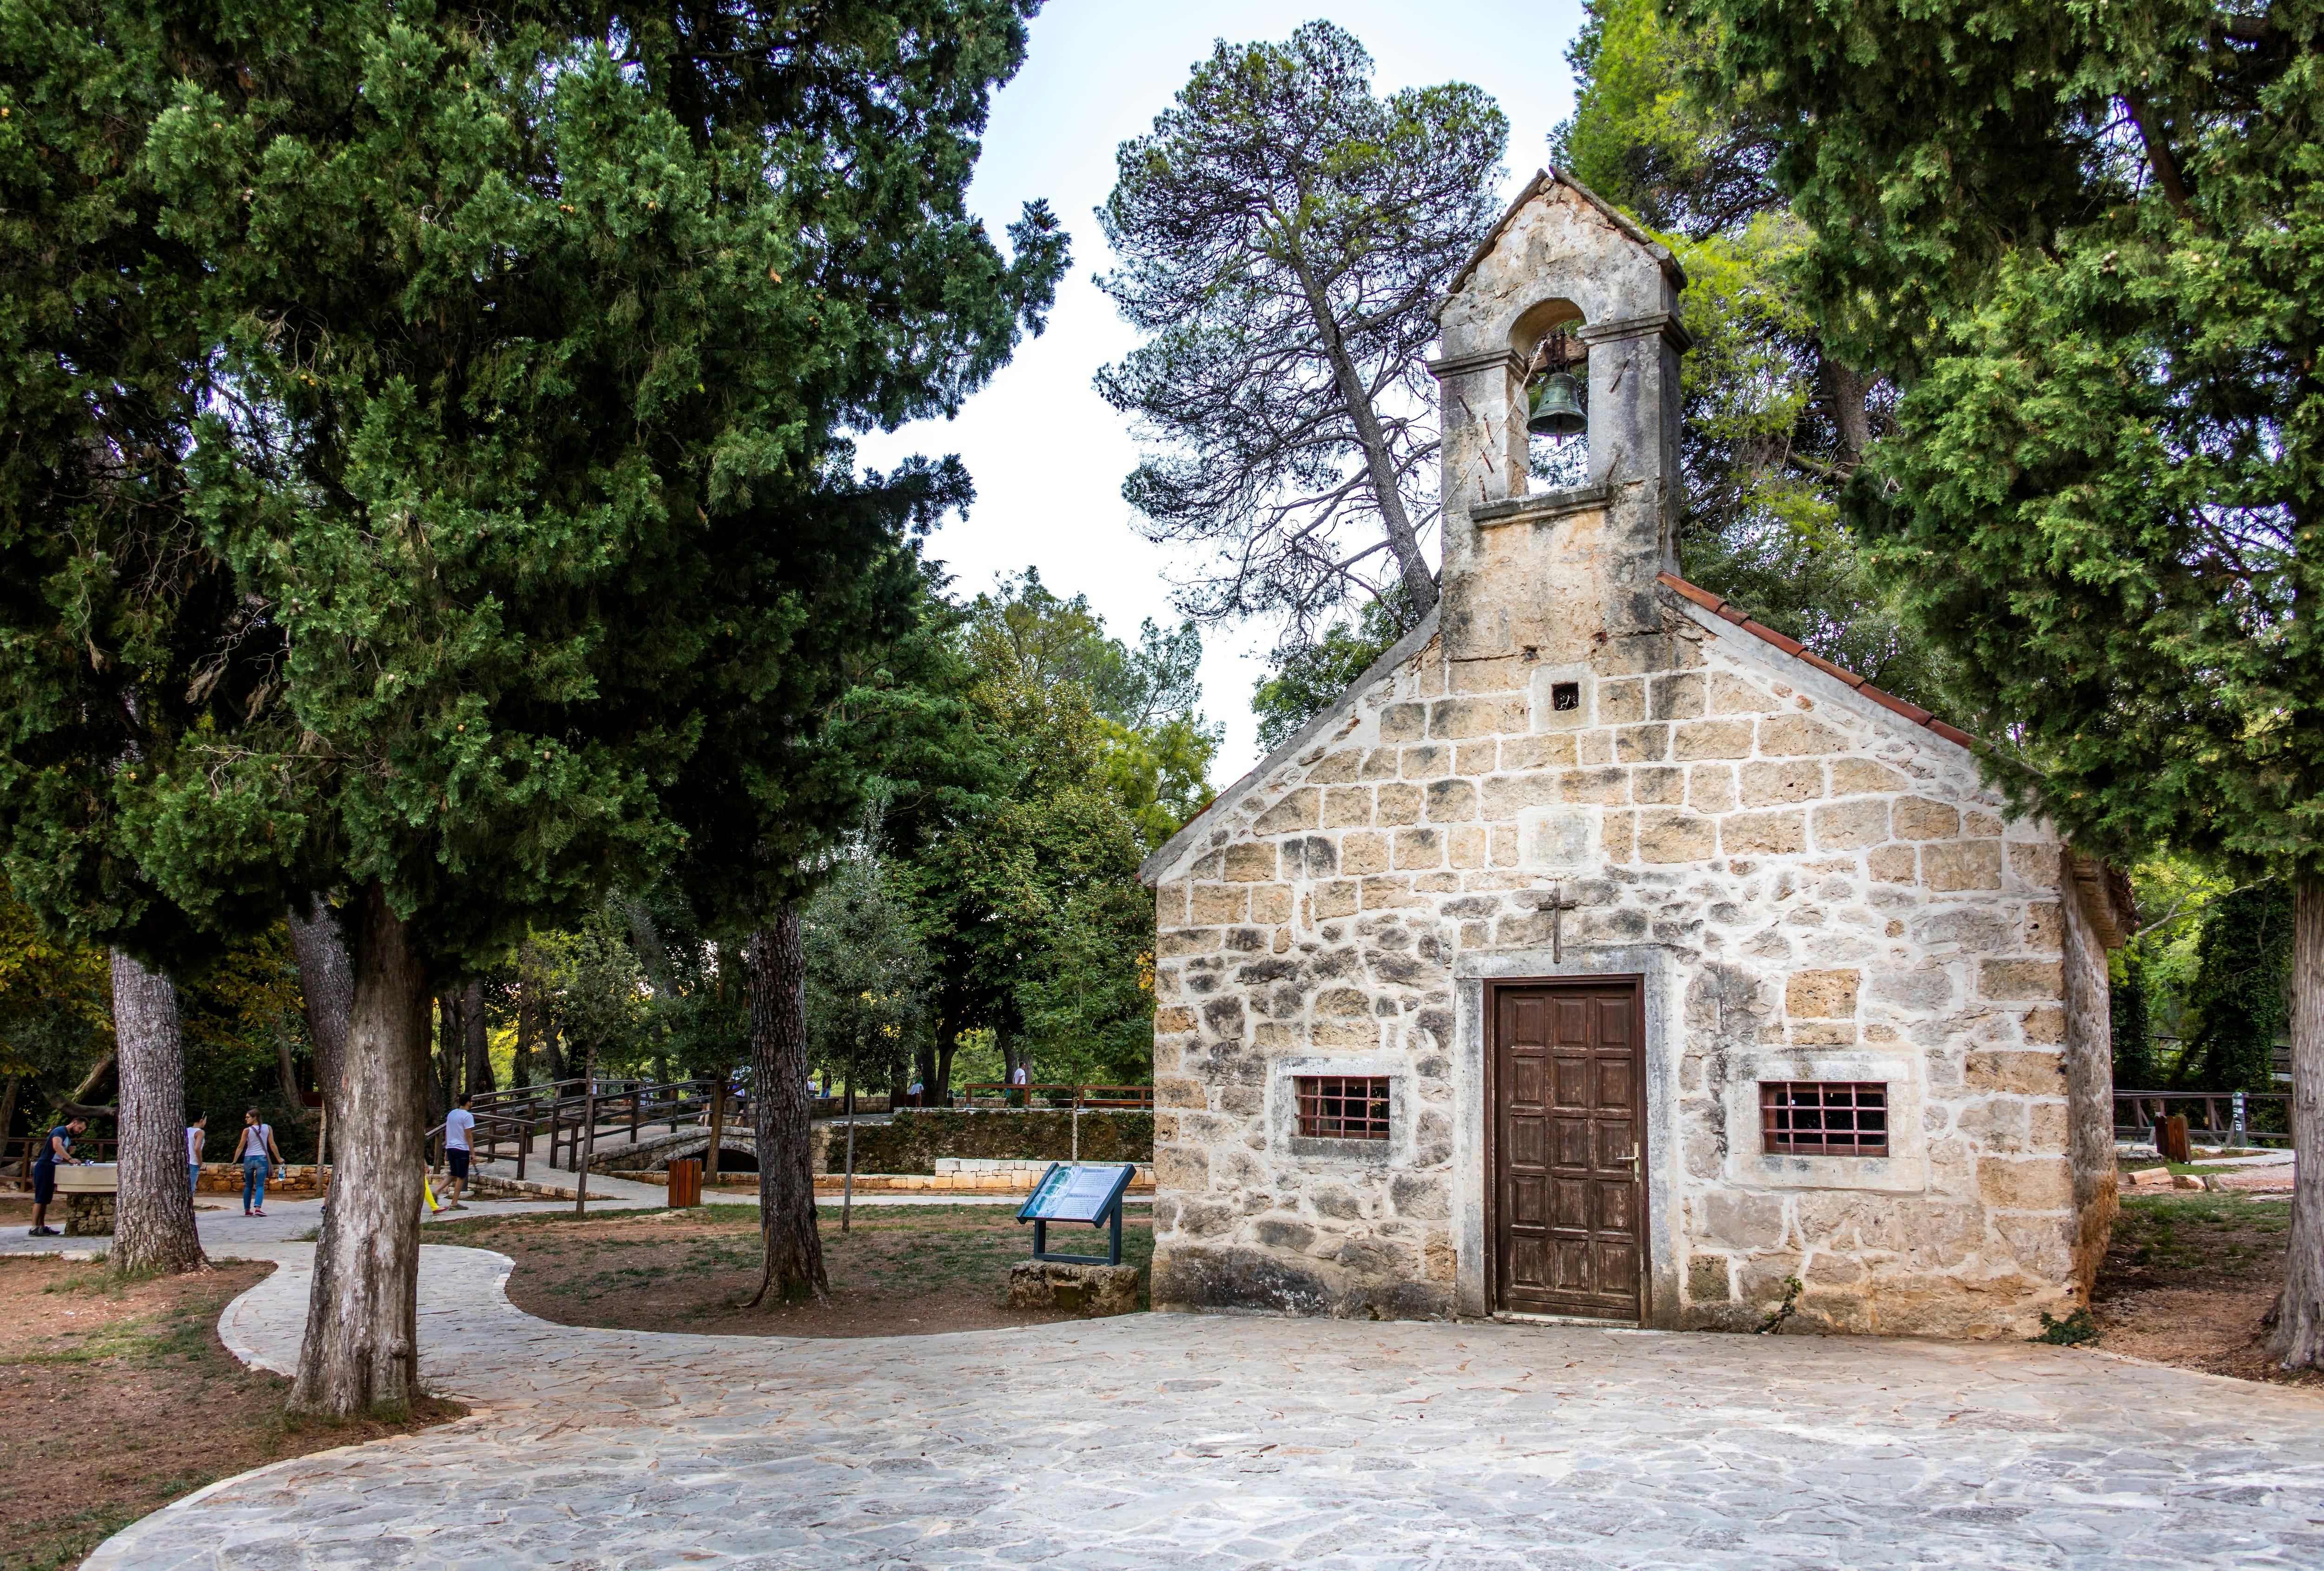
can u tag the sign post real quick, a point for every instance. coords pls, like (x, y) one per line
(1087, 1192)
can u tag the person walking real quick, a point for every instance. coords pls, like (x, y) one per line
(460, 1144)
(196, 1134)
(257, 1152)
(56, 1151)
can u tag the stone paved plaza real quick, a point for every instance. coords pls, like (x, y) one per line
(1228, 1442)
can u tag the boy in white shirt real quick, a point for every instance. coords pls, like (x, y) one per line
(459, 1137)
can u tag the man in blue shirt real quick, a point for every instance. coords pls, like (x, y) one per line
(55, 1150)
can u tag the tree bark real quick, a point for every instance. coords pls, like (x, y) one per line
(328, 988)
(527, 1025)
(451, 1049)
(286, 1071)
(361, 1353)
(717, 1124)
(479, 1073)
(1402, 539)
(153, 1219)
(1847, 391)
(2298, 1342)
(780, 1116)
(8, 1116)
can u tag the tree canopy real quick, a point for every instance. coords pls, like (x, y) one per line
(1283, 235)
(2083, 243)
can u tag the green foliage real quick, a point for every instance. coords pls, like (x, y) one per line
(1775, 424)
(1641, 140)
(2076, 1330)
(1018, 846)
(2084, 240)
(2135, 1066)
(867, 973)
(2238, 1005)
(1283, 236)
(528, 367)
(1308, 678)
(911, 1142)
(1774, 1320)
(590, 981)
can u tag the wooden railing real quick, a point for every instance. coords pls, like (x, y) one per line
(999, 1094)
(567, 1109)
(2210, 1112)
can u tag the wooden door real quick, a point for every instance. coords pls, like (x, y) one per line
(1569, 1126)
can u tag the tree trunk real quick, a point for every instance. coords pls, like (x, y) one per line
(528, 1025)
(2299, 1339)
(451, 1049)
(286, 1071)
(780, 1116)
(1847, 391)
(153, 1219)
(717, 1125)
(361, 1353)
(326, 986)
(8, 1117)
(1402, 538)
(479, 1075)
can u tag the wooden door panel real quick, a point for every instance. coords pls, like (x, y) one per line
(1614, 1087)
(1525, 1081)
(1569, 1201)
(1572, 1077)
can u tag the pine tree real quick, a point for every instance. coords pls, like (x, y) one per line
(1284, 237)
(2085, 242)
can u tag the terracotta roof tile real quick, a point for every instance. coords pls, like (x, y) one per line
(1727, 611)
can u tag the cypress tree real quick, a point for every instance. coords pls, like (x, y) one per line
(2085, 242)
(2133, 1032)
(2237, 1003)
(530, 343)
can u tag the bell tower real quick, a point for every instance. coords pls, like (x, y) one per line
(1565, 576)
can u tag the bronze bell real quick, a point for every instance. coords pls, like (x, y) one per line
(1555, 408)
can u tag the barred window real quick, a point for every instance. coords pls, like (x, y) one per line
(1824, 1118)
(1343, 1106)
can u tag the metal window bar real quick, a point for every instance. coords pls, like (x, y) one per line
(1343, 1106)
(1824, 1118)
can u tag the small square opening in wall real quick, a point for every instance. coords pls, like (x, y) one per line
(1824, 1118)
(1343, 1106)
(1565, 695)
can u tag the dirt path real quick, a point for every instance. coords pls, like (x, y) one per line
(117, 1398)
(2188, 1281)
(897, 1273)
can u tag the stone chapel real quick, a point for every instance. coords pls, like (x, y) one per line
(1603, 954)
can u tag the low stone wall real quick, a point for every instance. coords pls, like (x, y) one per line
(225, 1178)
(915, 1138)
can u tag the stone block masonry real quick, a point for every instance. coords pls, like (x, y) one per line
(1797, 877)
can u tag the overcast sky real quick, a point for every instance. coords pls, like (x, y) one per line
(1049, 457)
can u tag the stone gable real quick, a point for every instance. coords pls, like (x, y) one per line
(1805, 878)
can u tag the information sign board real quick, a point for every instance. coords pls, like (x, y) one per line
(1087, 1192)
(1077, 1192)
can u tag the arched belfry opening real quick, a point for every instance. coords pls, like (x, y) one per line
(1556, 409)
(1558, 375)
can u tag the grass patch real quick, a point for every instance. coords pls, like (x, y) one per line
(117, 1397)
(2190, 1231)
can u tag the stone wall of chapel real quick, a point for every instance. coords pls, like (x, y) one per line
(1836, 894)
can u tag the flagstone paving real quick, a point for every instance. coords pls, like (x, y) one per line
(1167, 1440)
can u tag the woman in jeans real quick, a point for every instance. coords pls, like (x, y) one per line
(256, 1151)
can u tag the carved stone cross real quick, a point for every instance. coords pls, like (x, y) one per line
(1554, 903)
